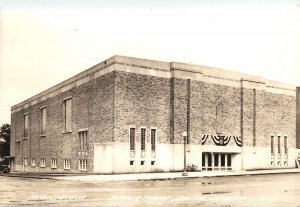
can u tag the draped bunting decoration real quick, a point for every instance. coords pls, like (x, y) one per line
(238, 140)
(216, 139)
(222, 140)
(204, 138)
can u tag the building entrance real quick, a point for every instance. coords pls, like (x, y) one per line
(216, 161)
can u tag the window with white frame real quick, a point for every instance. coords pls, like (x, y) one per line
(83, 136)
(43, 121)
(132, 138)
(43, 162)
(82, 164)
(53, 163)
(153, 139)
(33, 162)
(143, 139)
(67, 164)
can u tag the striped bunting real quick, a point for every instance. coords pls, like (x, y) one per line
(221, 140)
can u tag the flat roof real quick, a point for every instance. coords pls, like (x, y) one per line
(157, 65)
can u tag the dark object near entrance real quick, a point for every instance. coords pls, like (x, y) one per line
(4, 168)
(192, 168)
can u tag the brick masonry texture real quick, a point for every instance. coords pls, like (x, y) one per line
(179, 107)
(141, 100)
(215, 108)
(107, 105)
(275, 115)
(91, 109)
(278, 117)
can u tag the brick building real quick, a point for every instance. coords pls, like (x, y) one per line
(128, 115)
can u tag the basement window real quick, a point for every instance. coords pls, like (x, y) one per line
(43, 162)
(53, 163)
(32, 162)
(143, 162)
(67, 164)
(131, 162)
(152, 162)
(83, 165)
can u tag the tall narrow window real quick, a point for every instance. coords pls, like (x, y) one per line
(43, 121)
(26, 125)
(279, 151)
(285, 145)
(132, 138)
(83, 140)
(68, 115)
(143, 139)
(153, 139)
(272, 144)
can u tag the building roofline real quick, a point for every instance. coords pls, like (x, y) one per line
(161, 65)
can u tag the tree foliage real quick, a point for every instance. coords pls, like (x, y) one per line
(4, 140)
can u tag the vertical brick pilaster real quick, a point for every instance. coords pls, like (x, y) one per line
(254, 118)
(242, 114)
(188, 110)
(180, 109)
(172, 97)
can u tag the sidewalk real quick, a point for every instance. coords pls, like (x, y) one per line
(148, 176)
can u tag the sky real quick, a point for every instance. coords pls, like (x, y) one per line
(45, 42)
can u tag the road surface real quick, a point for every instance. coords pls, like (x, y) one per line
(282, 190)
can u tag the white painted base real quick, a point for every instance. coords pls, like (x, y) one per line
(116, 157)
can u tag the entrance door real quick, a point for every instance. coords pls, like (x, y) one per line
(209, 161)
(223, 162)
(229, 162)
(216, 161)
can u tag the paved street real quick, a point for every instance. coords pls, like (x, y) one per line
(257, 190)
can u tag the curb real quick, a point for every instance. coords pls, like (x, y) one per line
(29, 176)
(114, 178)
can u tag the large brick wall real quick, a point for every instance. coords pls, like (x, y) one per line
(92, 109)
(141, 101)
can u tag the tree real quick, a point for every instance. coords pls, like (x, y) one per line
(4, 140)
